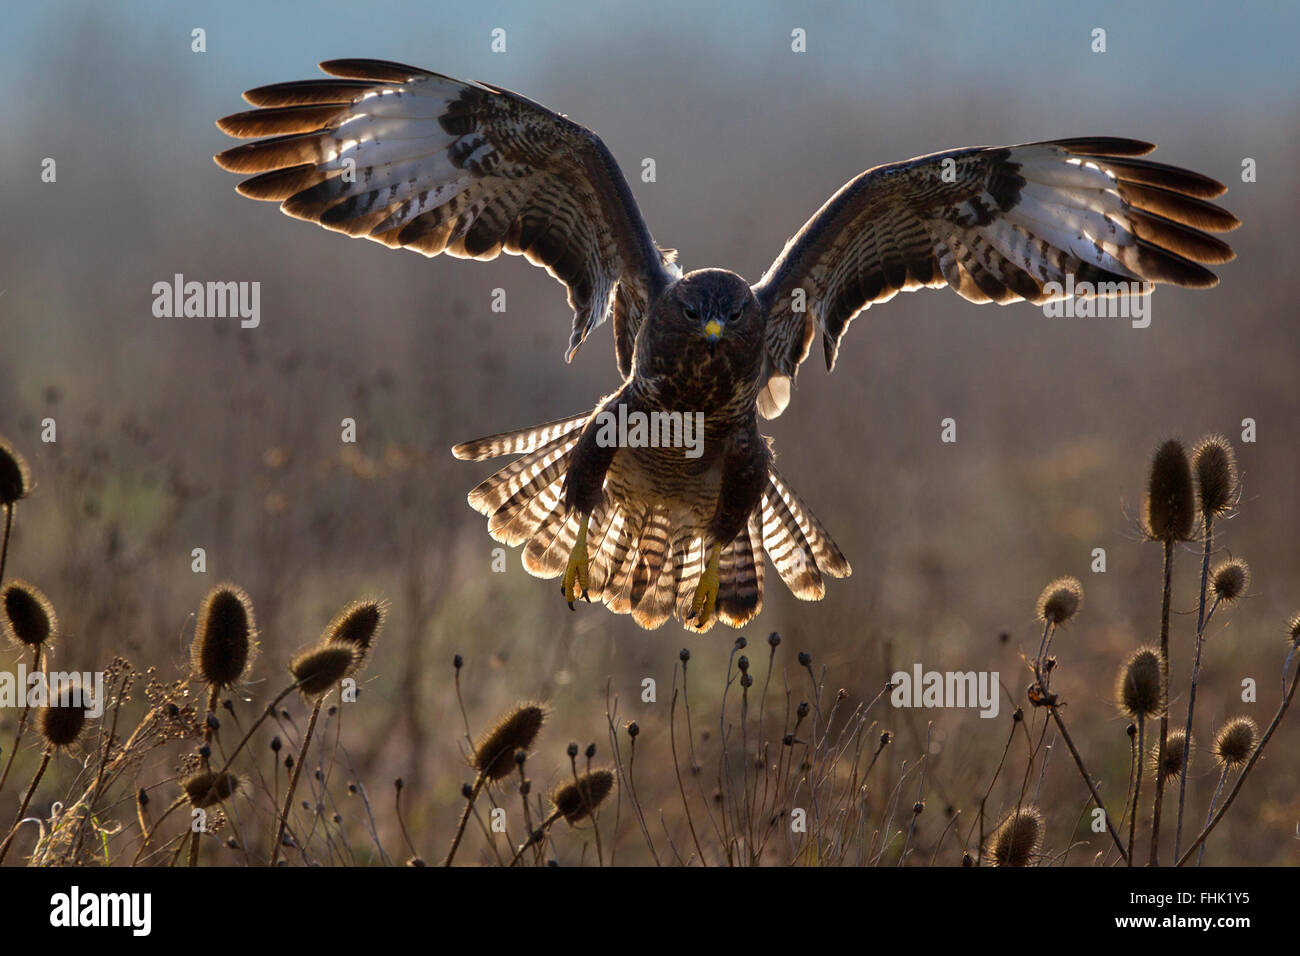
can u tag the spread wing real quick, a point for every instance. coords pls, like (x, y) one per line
(997, 224)
(413, 159)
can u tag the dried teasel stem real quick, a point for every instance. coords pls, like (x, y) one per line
(1166, 594)
(22, 722)
(1137, 786)
(1054, 710)
(494, 758)
(27, 799)
(293, 781)
(4, 541)
(1170, 517)
(15, 484)
(1202, 623)
(1245, 771)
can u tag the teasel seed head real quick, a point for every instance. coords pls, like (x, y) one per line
(224, 637)
(1229, 580)
(15, 479)
(61, 724)
(494, 753)
(319, 668)
(1293, 629)
(1215, 467)
(209, 788)
(1060, 601)
(28, 615)
(1139, 690)
(1017, 841)
(357, 625)
(576, 799)
(1171, 501)
(1235, 741)
(1168, 762)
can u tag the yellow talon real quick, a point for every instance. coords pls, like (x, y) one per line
(575, 575)
(706, 592)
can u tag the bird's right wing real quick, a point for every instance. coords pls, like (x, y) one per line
(415, 159)
(996, 224)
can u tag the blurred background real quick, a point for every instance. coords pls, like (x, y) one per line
(175, 434)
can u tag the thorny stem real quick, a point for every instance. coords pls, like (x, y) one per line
(677, 771)
(4, 544)
(1087, 778)
(1218, 791)
(293, 782)
(536, 836)
(1164, 717)
(27, 799)
(1236, 788)
(22, 719)
(464, 819)
(103, 765)
(1202, 624)
(1137, 785)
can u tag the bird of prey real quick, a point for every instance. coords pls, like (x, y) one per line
(415, 159)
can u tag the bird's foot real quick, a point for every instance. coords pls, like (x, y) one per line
(575, 575)
(706, 592)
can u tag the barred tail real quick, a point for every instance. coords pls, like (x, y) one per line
(797, 543)
(638, 562)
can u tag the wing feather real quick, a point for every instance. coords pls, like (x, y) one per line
(418, 160)
(996, 224)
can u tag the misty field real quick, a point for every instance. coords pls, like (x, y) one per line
(313, 653)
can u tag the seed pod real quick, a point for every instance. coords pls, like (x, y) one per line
(1171, 502)
(494, 754)
(578, 798)
(1139, 690)
(1060, 601)
(1215, 467)
(1017, 841)
(319, 668)
(1229, 580)
(1235, 741)
(223, 639)
(61, 721)
(28, 616)
(357, 625)
(15, 479)
(210, 787)
(1168, 762)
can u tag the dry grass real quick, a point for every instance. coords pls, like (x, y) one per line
(754, 760)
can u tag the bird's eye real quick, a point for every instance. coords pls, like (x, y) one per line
(735, 315)
(690, 313)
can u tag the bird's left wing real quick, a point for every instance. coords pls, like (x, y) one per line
(997, 224)
(415, 159)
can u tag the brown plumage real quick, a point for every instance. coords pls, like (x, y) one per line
(418, 160)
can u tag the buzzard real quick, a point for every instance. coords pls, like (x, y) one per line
(415, 159)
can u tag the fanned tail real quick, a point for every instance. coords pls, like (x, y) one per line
(638, 562)
(797, 543)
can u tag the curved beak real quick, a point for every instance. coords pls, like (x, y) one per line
(712, 332)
